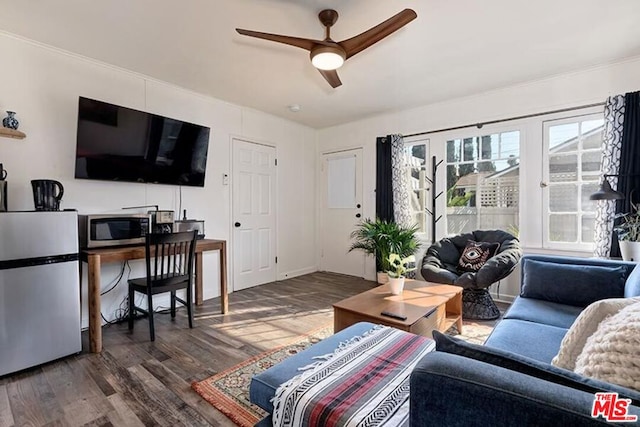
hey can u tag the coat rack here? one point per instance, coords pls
(434, 196)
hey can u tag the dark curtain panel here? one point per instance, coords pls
(384, 190)
(629, 160)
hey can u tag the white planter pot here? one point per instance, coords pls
(630, 250)
(382, 277)
(396, 285)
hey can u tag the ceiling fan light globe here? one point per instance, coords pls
(327, 58)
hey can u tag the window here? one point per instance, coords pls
(482, 187)
(418, 171)
(572, 173)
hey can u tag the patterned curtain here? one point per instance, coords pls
(611, 148)
(400, 184)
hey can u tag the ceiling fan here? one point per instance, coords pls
(327, 55)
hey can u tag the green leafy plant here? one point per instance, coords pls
(381, 238)
(399, 266)
(454, 200)
(629, 228)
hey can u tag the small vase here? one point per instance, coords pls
(10, 121)
(382, 277)
(396, 285)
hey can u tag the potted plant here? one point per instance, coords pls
(397, 268)
(381, 238)
(629, 234)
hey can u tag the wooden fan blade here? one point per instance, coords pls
(373, 35)
(306, 44)
(332, 77)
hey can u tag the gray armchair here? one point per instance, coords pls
(440, 265)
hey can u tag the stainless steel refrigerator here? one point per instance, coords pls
(39, 288)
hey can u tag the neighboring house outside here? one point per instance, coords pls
(493, 197)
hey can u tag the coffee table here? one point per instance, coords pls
(427, 306)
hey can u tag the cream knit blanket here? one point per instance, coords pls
(612, 353)
(585, 325)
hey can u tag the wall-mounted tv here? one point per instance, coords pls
(121, 144)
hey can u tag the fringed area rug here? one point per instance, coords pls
(228, 391)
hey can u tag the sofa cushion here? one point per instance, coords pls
(572, 284)
(263, 386)
(544, 312)
(584, 326)
(611, 353)
(527, 366)
(533, 340)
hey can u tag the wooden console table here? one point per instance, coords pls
(95, 257)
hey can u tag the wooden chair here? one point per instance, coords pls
(169, 259)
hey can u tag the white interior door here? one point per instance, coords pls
(341, 211)
(254, 218)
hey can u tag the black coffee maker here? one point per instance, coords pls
(47, 194)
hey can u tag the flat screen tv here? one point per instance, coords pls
(121, 144)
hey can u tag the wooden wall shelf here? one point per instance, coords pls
(10, 133)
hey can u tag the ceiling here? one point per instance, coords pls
(454, 48)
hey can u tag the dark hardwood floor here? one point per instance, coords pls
(134, 382)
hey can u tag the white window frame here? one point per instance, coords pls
(411, 142)
(515, 126)
(546, 183)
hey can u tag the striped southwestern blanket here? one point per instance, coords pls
(365, 382)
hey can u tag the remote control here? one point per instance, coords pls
(394, 315)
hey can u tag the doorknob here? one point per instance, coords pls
(358, 215)
(237, 224)
(358, 206)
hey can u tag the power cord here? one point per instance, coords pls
(120, 313)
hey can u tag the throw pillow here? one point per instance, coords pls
(527, 366)
(612, 353)
(475, 255)
(584, 326)
(572, 284)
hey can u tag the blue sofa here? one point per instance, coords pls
(509, 380)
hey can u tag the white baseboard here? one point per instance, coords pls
(503, 298)
(295, 273)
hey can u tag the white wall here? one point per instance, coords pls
(568, 90)
(43, 84)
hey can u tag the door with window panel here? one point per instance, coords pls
(483, 183)
(573, 153)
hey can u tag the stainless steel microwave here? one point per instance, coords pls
(98, 231)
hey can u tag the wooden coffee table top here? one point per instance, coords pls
(416, 301)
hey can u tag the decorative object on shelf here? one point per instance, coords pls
(47, 194)
(381, 238)
(397, 268)
(10, 121)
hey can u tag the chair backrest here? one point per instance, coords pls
(170, 257)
